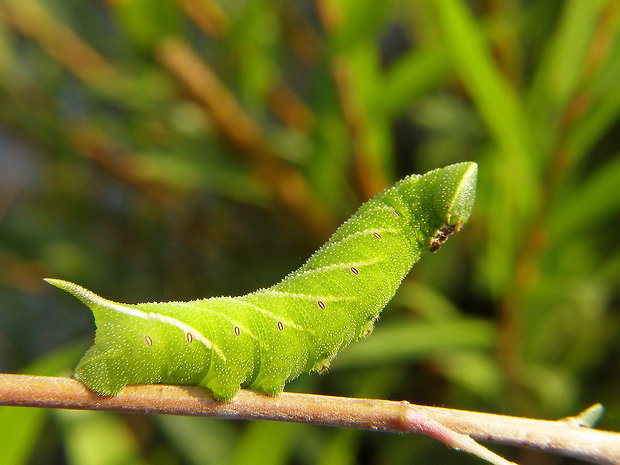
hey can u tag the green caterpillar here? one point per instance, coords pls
(264, 339)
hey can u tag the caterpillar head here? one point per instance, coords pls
(441, 201)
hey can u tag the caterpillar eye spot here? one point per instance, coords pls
(321, 305)
(237, 331)
(148, 340)
(280, 326)
(377, 235)
(354, 270)
(396, 213)
(189, 337)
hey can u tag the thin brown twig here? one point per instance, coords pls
(561, 437)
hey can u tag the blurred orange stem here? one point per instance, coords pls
(235, 126)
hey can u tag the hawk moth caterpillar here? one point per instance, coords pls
(264, 339)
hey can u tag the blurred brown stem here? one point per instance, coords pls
(204, 86)
(93, 144)
(561, 437)
(32, 20)
(208, 15)
(369, 175)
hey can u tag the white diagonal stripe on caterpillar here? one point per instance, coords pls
(89, 296)
(359, 233)
(337, 266)
(380, 206)
(323, 298)
(186, 329)
(192, 304)
(275, 317)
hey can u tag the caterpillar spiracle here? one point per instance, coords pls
(262, 340)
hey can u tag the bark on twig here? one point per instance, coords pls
(560, 437)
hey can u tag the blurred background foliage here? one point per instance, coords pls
(176, 149)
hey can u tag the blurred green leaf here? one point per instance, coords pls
(97, 438)
(147, 21)
(415, 73)
(496, 99)
(257, 441)
(20, 429)
(394, 342)
(202, 441)
(561, 70)
(590, 205)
